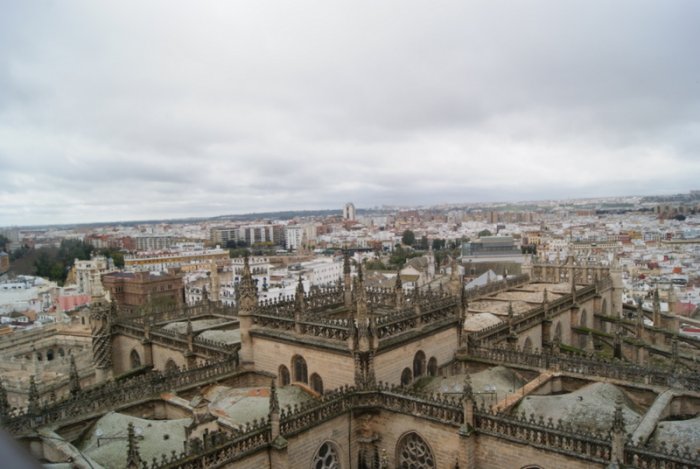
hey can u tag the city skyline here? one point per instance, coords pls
(135, 112)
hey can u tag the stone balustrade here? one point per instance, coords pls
(110, 395)
(531, 430)
(588, 366)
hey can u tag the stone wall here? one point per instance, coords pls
(443, 440)
(335, 370)
(304, 446)
(389, 365)
(499, 453)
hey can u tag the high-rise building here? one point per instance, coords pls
(349, 211)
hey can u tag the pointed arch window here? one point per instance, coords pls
(326, 457)
(412, 452)
(300, 370)
(135, 359)
(419, 364)
(284, 379)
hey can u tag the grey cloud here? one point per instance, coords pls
(258, 106)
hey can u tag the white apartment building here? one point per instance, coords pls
(322, 271)
(26, 293)
(259, 268)
(294, 237)
(88, 274)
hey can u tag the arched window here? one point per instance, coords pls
(61, 352)
(605, 307)
(406, 377)
(299, 369)
(171, 366)
(412, 452)
(583, 320)
(283, 375)
(557, 331)
(432, 366)
(419, 364)
(326, 457)
(49, 355)
(527, 346)
(316, 383)
(135, 359)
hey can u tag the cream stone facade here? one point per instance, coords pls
(356, 378)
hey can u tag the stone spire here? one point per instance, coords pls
(299, 298)
(657, 308)
(133, 457)
(674, 350)
(189, 332)
(468, 406)
(33, 398)
(247, 303)
(512, 338)
(278, 442)
(617, 344)
(511, 313)
(618, 434)
(455, 279)
(101, 318)
(347, 280)
(205, 295)
(360, 297)
(4, 403)
(299, 306)
(545, 303)
(74, 380)
(640, 320)
(398, 290)
(248, 290)
(274, 400)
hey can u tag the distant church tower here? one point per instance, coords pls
(349, 211)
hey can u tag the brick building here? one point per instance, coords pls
(131, 290)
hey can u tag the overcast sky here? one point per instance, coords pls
(131, 110)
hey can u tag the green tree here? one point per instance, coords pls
(4, 243)
(237, 252)
(55, 264)
(423, 243)
(375, 264)
(483, 233)
(408, 238)
(439, 244)
(115, 254)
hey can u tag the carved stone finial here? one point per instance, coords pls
(248, 290)
(33, 398)
(346, 262)
(133, 457)
(74, 383)
(205, 295)
(467, 390)
(274, 401)
(4, 403)
(618, 418)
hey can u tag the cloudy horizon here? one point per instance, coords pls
(169, 109)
